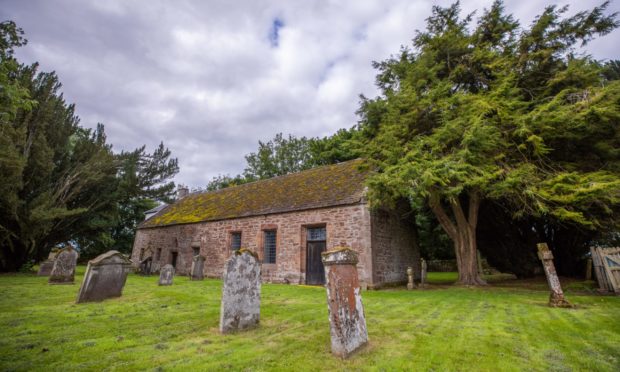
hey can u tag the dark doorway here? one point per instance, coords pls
(315, 243)
(174, 259)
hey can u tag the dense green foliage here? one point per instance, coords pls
(143, 182)
(283, 155)
(508, 327)
(498, 113)
(60, 181)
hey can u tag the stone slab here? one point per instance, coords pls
(556, 298)
(105, 277)
(45, 268)
(166, 275)
(63, 270)
(347, 321)
(197, 270)
(240, 308)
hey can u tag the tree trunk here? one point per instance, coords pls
(462, 231)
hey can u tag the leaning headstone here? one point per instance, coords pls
(410, 282)
(146, 266)
(556, 298)
(423, 272)
(63, 271)
(45, 267)
(105, 277)
(166, 274)
(347, 322)
(198, 265)
(240, 307)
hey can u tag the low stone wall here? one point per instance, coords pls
(441, 266)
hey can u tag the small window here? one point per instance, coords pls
(316, 234)
(158, 254)
(195, 251)
(270, 246)
(235, 241)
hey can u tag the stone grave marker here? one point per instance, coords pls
(45, 267)
(146, 266)
(198, 265)
(105, 277)
(410, 282)
(63, 271)
(166, 274)
(423, 272)
(347, 322)
(556, 298)
(240, 307)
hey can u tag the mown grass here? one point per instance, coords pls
(504, 327)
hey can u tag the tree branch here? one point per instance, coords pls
(445, 221)
(474, 206)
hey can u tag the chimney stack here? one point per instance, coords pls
(182, 191)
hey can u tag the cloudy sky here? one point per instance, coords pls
(211, 78)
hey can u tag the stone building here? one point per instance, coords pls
(289, 221)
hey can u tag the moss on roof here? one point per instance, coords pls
(338, 184)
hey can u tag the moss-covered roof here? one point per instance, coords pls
(338, 184)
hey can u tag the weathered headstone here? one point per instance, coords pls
(105, 277)
(347, 322)
(410, 282)
(198, 265)
(146, 266)
(423, 272)
(63, 271)
(240, 307)
(556, 298)
(45, 267)
(166, 275)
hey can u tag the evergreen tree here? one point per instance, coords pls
(62, 177)
(144, 182)
(497, 113)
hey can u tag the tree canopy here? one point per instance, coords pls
(496, 112)
(61, 181)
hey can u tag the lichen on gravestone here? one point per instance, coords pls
(240, 307)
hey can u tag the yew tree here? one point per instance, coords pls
(489, 110)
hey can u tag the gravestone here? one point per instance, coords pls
(45, 267)
(166, 275)
(423, 272)
(347, 322)
(198, 265)
(410, 282)
(63, 271)
(556, 298)
(105, 277)
(240, 307)
(146, 266)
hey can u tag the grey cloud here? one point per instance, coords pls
(206, 78)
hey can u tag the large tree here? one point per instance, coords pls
(144, 181)
(62, 182)
(495, 112)
(62, 176)
(283, 155)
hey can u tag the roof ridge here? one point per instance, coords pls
(275, 177)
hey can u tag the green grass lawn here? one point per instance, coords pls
(504, 327)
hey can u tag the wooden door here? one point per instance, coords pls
(315, 272)
(174, 259)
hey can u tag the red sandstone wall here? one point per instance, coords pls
(394, 246)
(346, 226)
